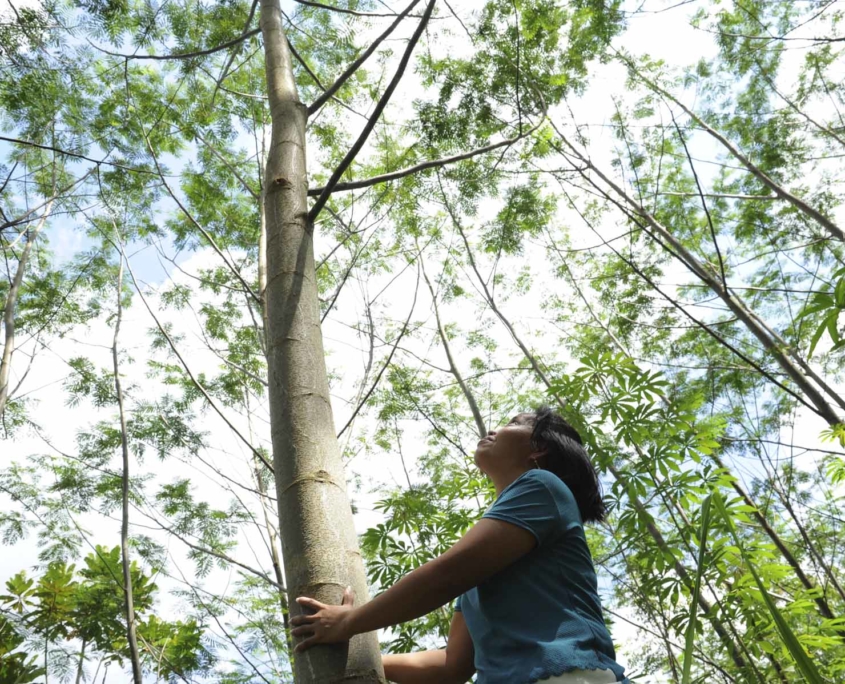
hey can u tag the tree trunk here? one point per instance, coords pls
(9, 312)
(319, 544)
(79, 668)
(129, 607)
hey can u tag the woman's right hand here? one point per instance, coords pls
(327, 624)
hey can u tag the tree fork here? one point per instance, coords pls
(319, 544)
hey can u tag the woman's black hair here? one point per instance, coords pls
(565, 456)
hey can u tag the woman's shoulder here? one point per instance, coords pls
(549, 480)
(536, 483)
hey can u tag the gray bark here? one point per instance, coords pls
(319, 544)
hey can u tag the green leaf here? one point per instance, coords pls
(796, 650)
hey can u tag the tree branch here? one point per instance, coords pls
(668, 242)
(194, 380)
(453, 367)
(352, 68)
(382, 103)
(386, 363)
(49, 148)
(343, 10)
(196, 223)
(9, 313)
(128, 600)
(758, 173)
(423, 166)
(181, 55)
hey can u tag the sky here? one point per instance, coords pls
(670, 37)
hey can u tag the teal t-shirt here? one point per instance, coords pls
(541, 616)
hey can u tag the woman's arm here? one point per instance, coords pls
(489, 547)
(452, 665)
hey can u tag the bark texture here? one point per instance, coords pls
(319, 544)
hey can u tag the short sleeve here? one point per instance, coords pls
(529, 503)
(458, 604)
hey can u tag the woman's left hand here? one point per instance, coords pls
(327, 625)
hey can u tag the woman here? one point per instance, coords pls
(528, 608)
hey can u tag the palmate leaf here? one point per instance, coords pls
(702, 545)
(799, 655)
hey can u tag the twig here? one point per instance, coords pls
(386, 363)
(194, 380)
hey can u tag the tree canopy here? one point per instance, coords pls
(628, 210)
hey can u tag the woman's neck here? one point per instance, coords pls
(502, 480)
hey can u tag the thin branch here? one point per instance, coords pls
(196, 223)
(216, 554)
(182, 55)
(194, 380)
(758, 173)
(229, 166)
(29, 215)
(128, 601)
(9, 308)
(231, 58)
(382, 103)
(703, 204)
(386, 363)
(718, 195)
(343, 10)
(58, 150)
(423, 166)
(453, 367)
(352, 68)
(222, 628)
(796, 109)
(658, 232)
(487, 294)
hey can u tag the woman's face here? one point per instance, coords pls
(508, 448)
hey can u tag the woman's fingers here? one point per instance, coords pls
(304, 645)
(305, 630)
(304, 619)
(313, 604)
